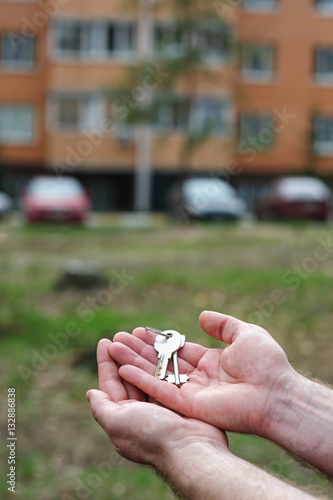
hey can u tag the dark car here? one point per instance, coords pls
(53, 199)
(295, 198)
(205, 198)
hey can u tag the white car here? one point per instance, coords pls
(207, 198)
(6, 204)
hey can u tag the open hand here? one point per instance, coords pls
(229, 388)
(141, 431)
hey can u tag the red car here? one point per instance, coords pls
(295, 198)
(52, 199)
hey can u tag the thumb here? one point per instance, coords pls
(221, 326)
(101, 407)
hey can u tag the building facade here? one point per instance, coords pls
(258, 107)
(284, 89)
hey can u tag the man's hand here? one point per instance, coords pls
(229, 388)
(142, 431)
(247, 387)
(192, 455)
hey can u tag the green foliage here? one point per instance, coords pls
(179, 59)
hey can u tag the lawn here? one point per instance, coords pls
(278, 275)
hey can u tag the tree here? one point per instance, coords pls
(175, 63)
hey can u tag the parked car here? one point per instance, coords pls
(295, 198)
(53, 199)
(6, 204)
(205, 198)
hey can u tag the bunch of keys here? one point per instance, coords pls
(167, 344)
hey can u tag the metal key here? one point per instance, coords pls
(160, 373)
(166, 348)
(175, 358)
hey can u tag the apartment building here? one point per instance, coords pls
(80, 49)
(22, 87)
(261, 102)
(285, 89)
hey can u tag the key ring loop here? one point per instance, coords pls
(158, 332)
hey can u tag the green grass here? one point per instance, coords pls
(173, 273)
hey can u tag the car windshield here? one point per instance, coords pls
(211, 189)
(55, 187)
(291, 188)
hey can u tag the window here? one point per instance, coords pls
(215, 41)
(169, 40)
(324, 6)
(259, 4)
(75, 111)
(197, 115)
(210, 115)
(74, 38)
(17, 124)
(258, 62)
(212, 40)
(70, 38)
(69, 111)
(120, 38)
(324, 64)
(255, 131)
(17, 51)
(171, 113)
(323, 135)
(90, 39)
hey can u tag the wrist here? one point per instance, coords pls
(300, 419)
(174, 454)
(280, 411)
(204, 469)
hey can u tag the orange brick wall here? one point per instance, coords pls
(26, 87)
(295, 29)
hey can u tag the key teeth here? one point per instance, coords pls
(158, 373)
(171, 378)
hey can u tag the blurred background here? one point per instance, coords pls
(156, 159)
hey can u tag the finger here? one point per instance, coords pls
(124, 355)
(147, 336)
(167, 394)
(134, 393)
(108, 375)
(137, 345)
(191, 353)
(101, 407)
(109, 379)
(221, 326)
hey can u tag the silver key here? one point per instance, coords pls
(176, 378)
(175, 360)
(166, 348)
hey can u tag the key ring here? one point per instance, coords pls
(167, 349)
(159, 332)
